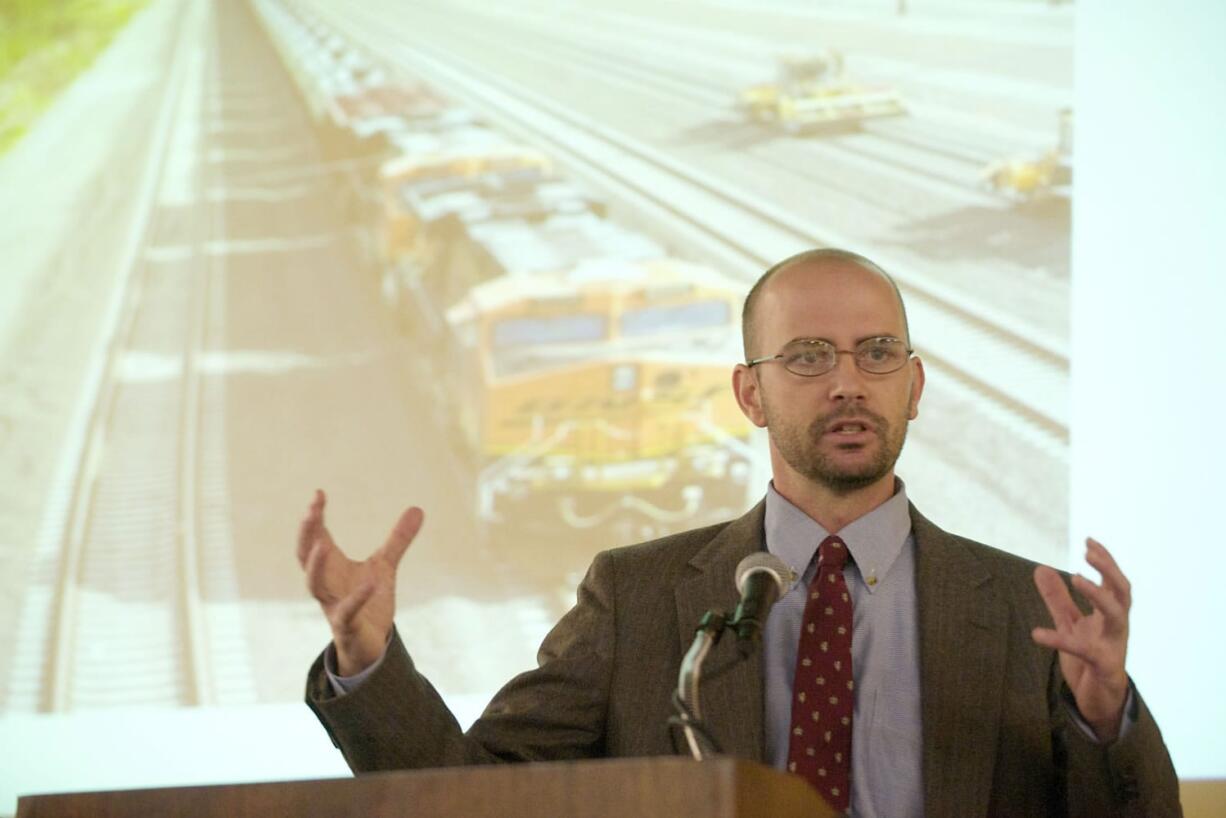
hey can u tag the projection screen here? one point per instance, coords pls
(489, 259)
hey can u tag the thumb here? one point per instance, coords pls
(346, 610)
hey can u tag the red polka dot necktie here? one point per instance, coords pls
(822, 692)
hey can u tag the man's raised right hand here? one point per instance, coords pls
(358, 598)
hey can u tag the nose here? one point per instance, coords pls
(846, 381)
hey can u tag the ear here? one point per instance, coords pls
(748, 393)
(917, 388)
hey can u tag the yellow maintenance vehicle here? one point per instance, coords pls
(810, 92)
(584, 373)
(1031, 178)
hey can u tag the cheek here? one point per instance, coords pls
(902, 403)
(788, 409)
(913, 396)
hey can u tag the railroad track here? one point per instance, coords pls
(954, 180)
(704, 70)
(133, 599)
(117, 549)
(1013, 373)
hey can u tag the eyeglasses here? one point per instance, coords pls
(813, 357)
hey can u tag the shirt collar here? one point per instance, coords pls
(874, 540)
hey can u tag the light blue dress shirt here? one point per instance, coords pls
(886, 774)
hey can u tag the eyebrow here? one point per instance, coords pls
(810, 338)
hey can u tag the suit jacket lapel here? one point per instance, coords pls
(732, 702)
(962, 630)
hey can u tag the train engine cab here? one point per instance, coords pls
(592, 392)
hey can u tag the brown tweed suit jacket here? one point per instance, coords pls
(996, 736)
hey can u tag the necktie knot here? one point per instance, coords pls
(832, 553)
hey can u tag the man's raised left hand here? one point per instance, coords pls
(1092, 646)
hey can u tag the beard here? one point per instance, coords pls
(801, 448)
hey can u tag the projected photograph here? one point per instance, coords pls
(487, 259)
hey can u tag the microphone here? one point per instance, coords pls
(761, 578)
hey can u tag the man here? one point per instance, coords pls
(959, 700)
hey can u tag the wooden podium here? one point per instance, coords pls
(644, 788)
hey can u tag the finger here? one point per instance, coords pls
(314, 567)
(1063, 642)
(308, 532)
(1114, 580)
(1103, 601)
(308, 529)
(402, 535)
(348, 608)
(1064, 612)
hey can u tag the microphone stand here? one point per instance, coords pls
(747, 621)
(689, 712)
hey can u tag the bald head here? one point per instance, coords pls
(814, 260)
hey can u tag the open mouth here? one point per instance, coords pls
(849, 428)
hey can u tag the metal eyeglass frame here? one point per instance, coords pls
(837, 352)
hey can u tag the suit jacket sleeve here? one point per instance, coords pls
(1132, 777)
(397, 720)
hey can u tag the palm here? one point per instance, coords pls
(1094, 680)
(340, 579)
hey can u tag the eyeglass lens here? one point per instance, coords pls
(876, 355)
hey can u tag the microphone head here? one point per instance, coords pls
(765, 562)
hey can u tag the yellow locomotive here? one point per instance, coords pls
(584, 373)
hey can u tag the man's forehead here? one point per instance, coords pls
(832, 299)
(831, 284)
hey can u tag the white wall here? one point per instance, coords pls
(1148, 349)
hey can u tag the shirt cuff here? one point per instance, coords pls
(1126, 723)
(342, 685)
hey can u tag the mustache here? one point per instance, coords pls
(866, 416)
